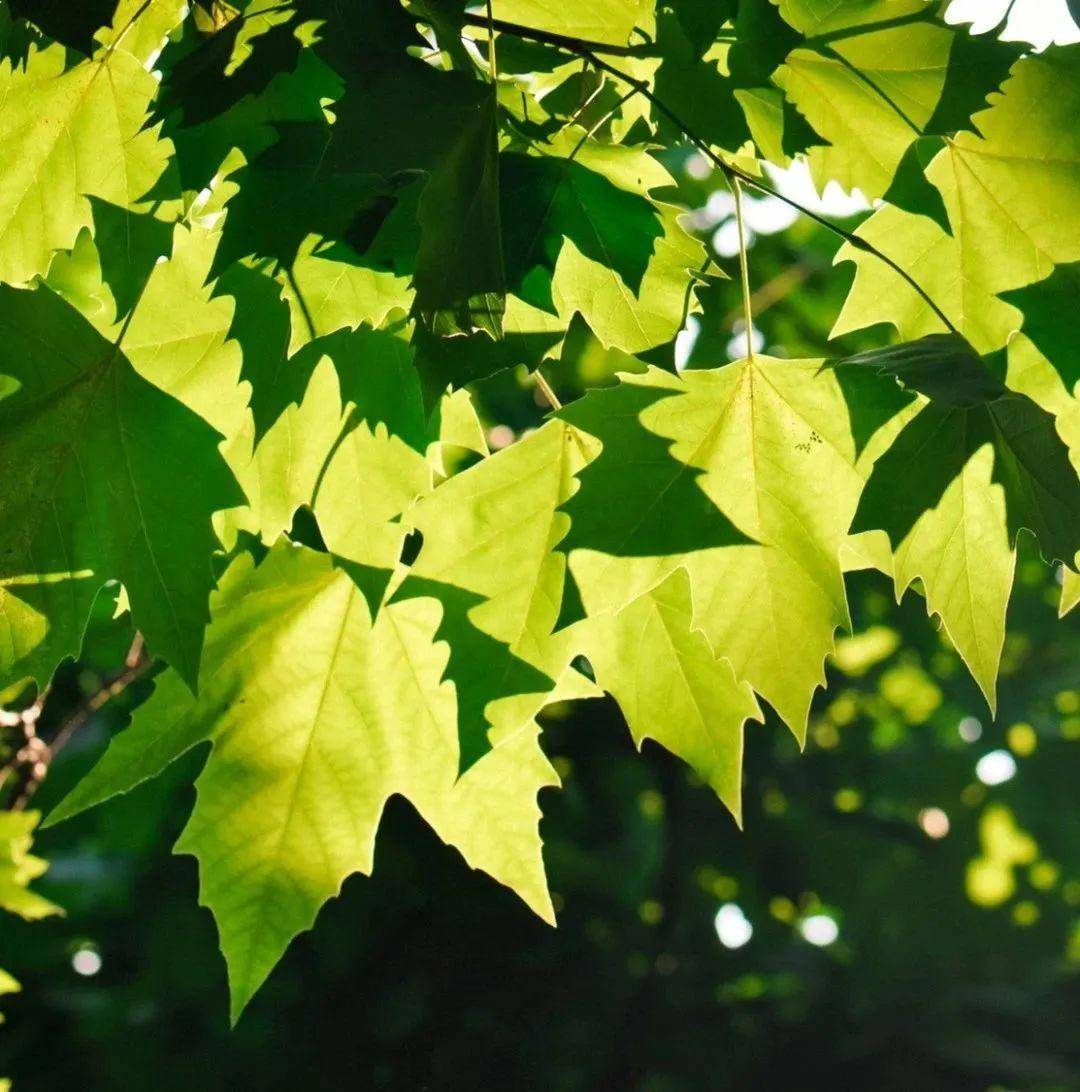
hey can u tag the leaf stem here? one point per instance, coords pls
(744, 269)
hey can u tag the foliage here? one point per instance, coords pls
(255, 257)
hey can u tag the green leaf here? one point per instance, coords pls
(940, 264)
(1012, 197)
(142, 516)
(530, 336)
(978, 65)
(869, 96)
(952, 492)
(609, 21)
(329, 287)
(583, 236)
(873, 87)
(812, 17)
(369, 479)
(459, 279)
(1013, 194)
(672, 688)
(71, 134)
(698, 89)
(488, 556)
(317, 716)
(550, 200)
(632, 321)
(19, 868)
(746, 476)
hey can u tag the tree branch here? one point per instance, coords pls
(581, 46)
(38, 755)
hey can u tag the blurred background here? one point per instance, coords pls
(902, 910)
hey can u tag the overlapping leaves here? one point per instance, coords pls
(240, 303)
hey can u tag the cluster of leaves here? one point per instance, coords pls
(252, 257)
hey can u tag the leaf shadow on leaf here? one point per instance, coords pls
(548, 199)
(969, 407)
(870, 403)
(375, 368)
(1052, 318)
(912, 191)
(640, 502)
(444, 362)
(206, 81)
(323, 178)
(156, 464)
(635, 499)
(260, 325)
(1031, 464)
(482, 668)
(296, 188)
(978, 65)
(129, 244)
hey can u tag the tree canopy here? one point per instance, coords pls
(258, 262)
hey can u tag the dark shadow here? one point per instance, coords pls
(547, 199)
(199, 85)
(481, 668)
(635, 499)
(1051, 310)
(128, 244)
(73, 24)
(1031, 464)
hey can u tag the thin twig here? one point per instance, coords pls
(38, 755)
(136, 16)
(595, 128)
(112, 690)
(590, 98)
(135, 652)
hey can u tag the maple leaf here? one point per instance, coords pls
(317, 715)
(744, 475)
(973, 467)
(108, 478)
